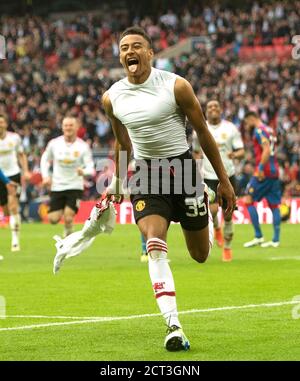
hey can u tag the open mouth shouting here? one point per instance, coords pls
(132, 64)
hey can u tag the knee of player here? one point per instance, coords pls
(153, 235)
(68, 221)
(200, 255)
(273, 206)
(53, 221)
(13, 208)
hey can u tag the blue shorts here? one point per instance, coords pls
(268, 188)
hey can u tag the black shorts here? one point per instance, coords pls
(3, 189)
(190, 209)
(213, 184)
(71, 198)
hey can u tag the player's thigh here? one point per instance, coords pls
(13, 200)
(197, 242)
(274, 194)
(255, 190)
(152, 214)
(3, 195)
(154, 226)
(193, 215)
(191, 211)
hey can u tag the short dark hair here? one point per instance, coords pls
(137, 30)
(251, 113)
(213, 100)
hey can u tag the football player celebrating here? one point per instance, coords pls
(147, 110)
(71, 158)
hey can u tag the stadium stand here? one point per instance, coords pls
(63, 62)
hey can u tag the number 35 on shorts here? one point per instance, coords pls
(196, 206)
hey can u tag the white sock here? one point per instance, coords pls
(162, 280)
(15, 225)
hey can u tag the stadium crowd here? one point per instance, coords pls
(96, 35)
(55, 66)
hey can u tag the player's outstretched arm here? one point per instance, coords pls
(189, 104)
(123, 143)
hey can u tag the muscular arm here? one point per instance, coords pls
(123, 143)
(189, 104)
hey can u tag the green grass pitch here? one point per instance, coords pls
(108, 280)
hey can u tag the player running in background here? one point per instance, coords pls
(10, 186)
(230, 144)
(147, 109)
(11, 154)
(71, 159)
(265, 182)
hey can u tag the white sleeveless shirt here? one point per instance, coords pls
(155, 123)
